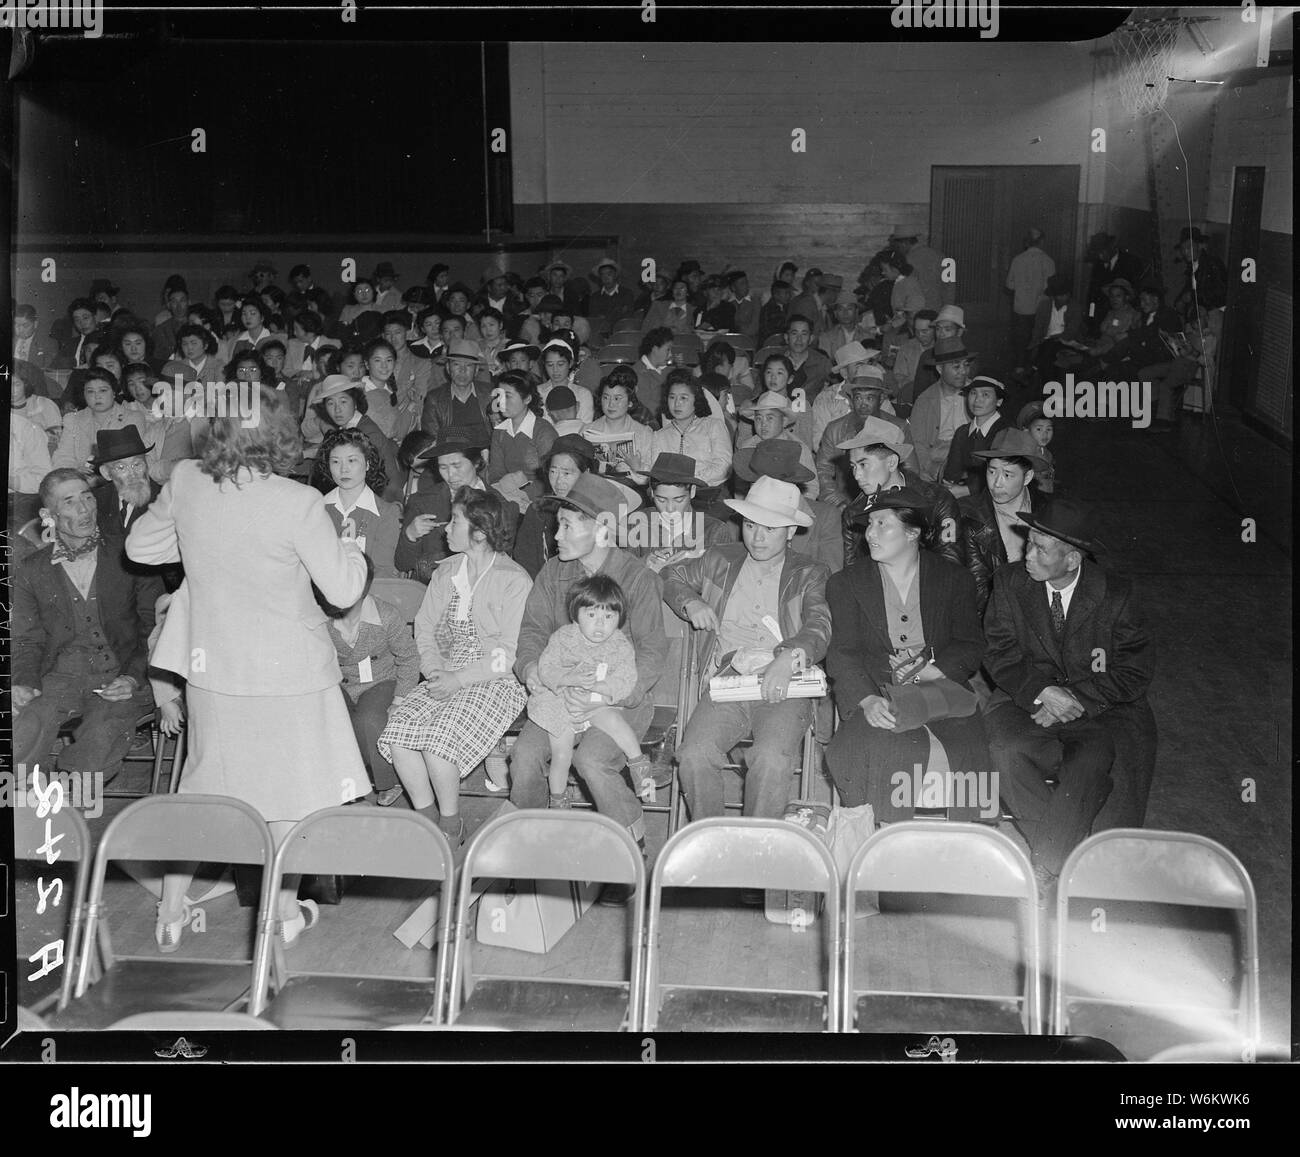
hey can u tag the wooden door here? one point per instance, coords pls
(979, 216)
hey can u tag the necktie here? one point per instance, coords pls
(1058, 614)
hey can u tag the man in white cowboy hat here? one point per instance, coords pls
(773, 418)
(992, 532)
(950, 322)
(867, 390)
(612, 301)
(875, 457)
(750, 600)
(833, 402)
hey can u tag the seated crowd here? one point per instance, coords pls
(807, 477)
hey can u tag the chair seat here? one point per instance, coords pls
(349, 1002)
(539, 1005)
(905, 1012)
(172, 1020)
(721, 1010)
(135, 986)
(1141, 1033)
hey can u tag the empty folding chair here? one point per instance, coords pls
(627, 325)
(744, 853)
(64, 836)
(1137, 981)
(355, 841)
(953, 859)
(166, 829)
(198, 1021)
(548, 845)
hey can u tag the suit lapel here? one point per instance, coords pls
(1086, 597)
(871, 598)
(1039, 616)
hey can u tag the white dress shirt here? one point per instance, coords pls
(1067, 593)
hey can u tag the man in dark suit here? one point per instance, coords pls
(80, 638)
(1109, 263)
(1071, 660)
(119, 457)
(739, 596)
(1205, 285)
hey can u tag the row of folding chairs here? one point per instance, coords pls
(968, 860)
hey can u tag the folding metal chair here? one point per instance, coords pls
(743, 853)
(170, 1021)
(615, 353)
(405, 594)
(953, 859)
(548, 845)
(1130, 997)
(167, 828)
(157, 756)
(687, 349)
(352, 841)
(766, 352)
(69, 842)
(737, 341)
(627, 325)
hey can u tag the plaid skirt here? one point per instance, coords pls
(462, 730)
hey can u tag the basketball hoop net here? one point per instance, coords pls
(1144, 53)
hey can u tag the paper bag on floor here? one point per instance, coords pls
(848, 831)
(532, 915)
(421, 926)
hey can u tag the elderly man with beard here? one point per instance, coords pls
(120, 458)
(80, 638)
(874, 457)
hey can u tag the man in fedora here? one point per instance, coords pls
(912, 361)
(466, 400)
(867, 390)
(992, 531)
(747, 599)
(876, 455)
(780, 458)
(453, 462)
(496, 294)
(674, 530)
(81, 624)
(387, 295)
(940, 410)
(963, 474)
(833, 402)
(1071, 660)
(950, 322)
(611, 302)
(120, 458)
(1205, 284)
(589, 516)
(772, 417)
(1108, 263)
(1058, 327)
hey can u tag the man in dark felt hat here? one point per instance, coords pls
(992, 532)
(1109, 262)
(1058, 327)
(1205, 284)
(1071, 660)
(453, 461)
(588, 516)
(940, 409)
(120, 458)
(674, 530)
(749, 600)
(81, 625)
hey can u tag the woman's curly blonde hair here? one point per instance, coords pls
(272, 445)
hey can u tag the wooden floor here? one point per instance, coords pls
(1220, 610)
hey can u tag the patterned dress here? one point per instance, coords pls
(465, 728)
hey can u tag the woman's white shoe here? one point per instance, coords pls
(308, 914)
(167, 933)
